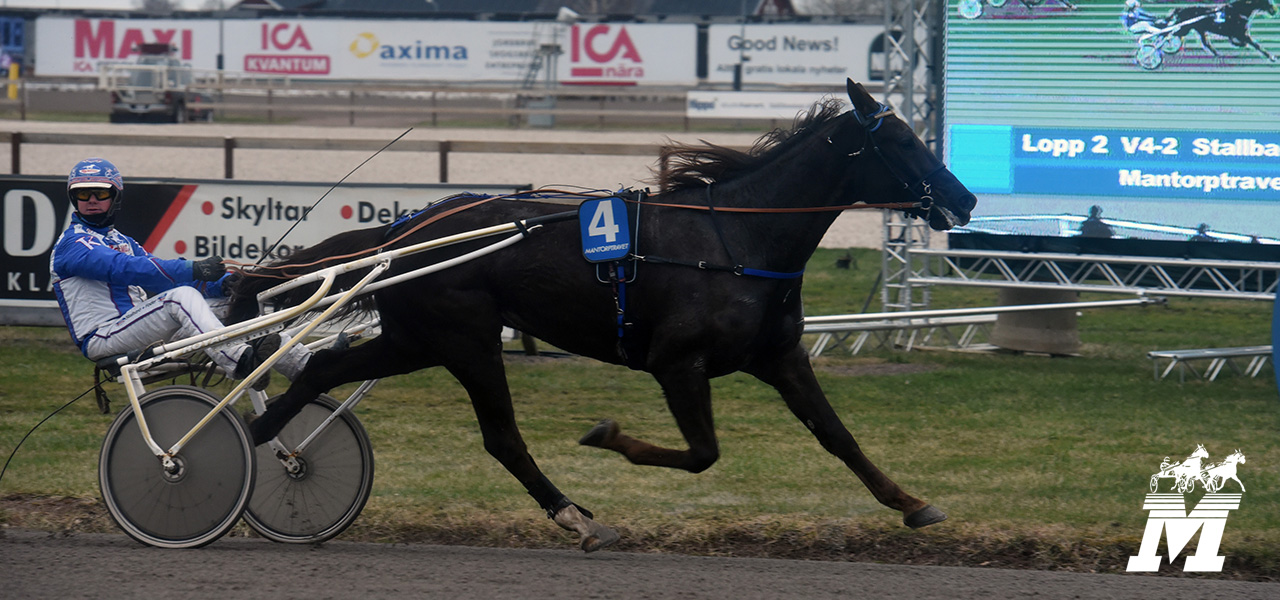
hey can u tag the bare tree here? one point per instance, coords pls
(157, 7)
(842, 8)
(602, 7)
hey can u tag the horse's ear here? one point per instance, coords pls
(859, 97)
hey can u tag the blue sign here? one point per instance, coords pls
(606, 234)
(1117, 162)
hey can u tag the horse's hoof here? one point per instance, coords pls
(592, 535)
(602, 433)
(924, 517)
(603, 537)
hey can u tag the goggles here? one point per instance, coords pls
(82, 194)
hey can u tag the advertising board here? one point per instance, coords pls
(78, 47)
(182, 218)
(749, 105)
(1086, 121)
(791, 54)
(472, 51)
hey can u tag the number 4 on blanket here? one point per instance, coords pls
(606, 235)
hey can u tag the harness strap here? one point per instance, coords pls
(706, 266)
(715, 224)
(737, 268)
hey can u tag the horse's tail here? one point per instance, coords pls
(343, 247)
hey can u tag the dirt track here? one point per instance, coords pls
(43, 565)
(852, 229)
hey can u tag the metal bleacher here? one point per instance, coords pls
(1216, 358)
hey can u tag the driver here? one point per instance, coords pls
(118, 298)
(1137, 20)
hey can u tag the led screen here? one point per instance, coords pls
(1107, 119)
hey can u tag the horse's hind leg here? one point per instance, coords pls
(478, 367)
(1204, 41)
(380, 357)
(793, 377)
(689, 399)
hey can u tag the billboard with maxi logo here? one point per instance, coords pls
(237, 220)
(69, 47)
(615, 54)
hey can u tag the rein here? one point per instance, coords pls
(425, 222)
(801, 209)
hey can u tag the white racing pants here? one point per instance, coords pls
(177, 314)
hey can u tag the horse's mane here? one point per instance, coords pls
(692, 166)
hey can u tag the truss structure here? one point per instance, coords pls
(913, 83)
(1095, 273)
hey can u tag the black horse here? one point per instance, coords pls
(1230, 21)
(683, 324)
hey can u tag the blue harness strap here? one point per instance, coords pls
(772, 274)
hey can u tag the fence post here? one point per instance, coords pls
(15, 153)
(351, 116)
(228, 158)
(269, 113)
(444, 161)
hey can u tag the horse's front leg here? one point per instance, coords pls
(1256, 46)
(688, 395)
(792, 375)
(484, 378)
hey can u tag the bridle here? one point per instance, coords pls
(870, 123)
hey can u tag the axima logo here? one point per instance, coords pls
(604, 53)
(367, 44)
(1168, 516)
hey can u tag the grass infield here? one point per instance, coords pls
(1040, 462)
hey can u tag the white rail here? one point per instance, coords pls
(1251, 280)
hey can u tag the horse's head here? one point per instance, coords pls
(1248, 7)
(1236, 457)
(906, 171)
(1200, 452)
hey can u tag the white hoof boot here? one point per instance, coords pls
(594, 536)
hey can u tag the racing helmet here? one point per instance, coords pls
(1131, 4)
(96, 174)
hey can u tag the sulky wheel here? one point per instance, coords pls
(203, 496)
(317, 495)
(970, 9)
(1148, 57)
(1155, 483)
(1171, 45)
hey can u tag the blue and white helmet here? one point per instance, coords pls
(97, 173)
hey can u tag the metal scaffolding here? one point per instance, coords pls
(1233, 279)
(913, 86)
